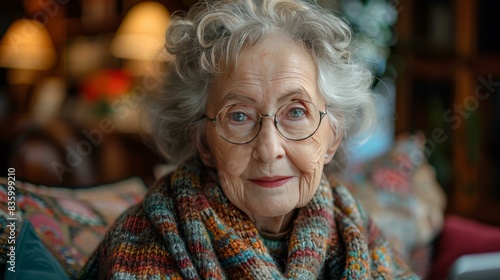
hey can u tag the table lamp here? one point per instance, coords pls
(141, 34)
(26, 49)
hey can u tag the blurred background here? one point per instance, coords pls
(73, 72)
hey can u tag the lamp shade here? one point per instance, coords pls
(141, 35)
(27, 45)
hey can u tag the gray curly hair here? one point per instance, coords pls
(207, 42)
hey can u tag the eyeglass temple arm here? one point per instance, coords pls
(213, 121)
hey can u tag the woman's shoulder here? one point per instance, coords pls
(352, 215)
(128, 245)
(133, 237)
(135, 220)
(128, 226)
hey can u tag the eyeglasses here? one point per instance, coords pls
(240, 124)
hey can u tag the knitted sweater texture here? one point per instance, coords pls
(187, 229)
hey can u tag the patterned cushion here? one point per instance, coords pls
(70, 222)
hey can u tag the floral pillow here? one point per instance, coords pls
(70, 222)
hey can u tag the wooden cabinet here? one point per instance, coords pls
(448, 56)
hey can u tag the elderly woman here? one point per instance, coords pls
(258, 98)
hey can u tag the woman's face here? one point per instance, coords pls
(270, 176)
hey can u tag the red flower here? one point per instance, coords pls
(106, 85)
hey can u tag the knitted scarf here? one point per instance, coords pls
(187, 229)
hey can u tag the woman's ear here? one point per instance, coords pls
(205, 153)
(336, 138)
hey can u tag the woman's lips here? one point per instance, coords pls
(270, 182)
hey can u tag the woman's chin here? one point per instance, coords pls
(273, 210)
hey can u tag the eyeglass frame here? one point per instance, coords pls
(322, 114)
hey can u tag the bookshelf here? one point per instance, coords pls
(448, 87)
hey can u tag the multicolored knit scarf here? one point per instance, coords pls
(187, 229)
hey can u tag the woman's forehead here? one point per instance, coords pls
(273, 67)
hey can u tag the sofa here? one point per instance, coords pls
(69, 222)
(56, 228)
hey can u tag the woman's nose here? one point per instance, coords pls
(269, 143)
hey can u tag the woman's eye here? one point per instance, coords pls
(297, 112)
(238, 117)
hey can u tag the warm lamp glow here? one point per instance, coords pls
(27, 45)
(141, 35)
